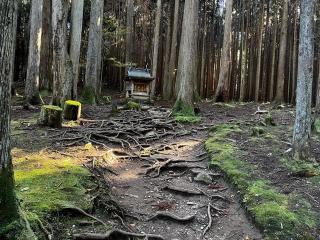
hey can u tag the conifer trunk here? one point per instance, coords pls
(93, 67)
(282, 55)
(187, 58)
(33, 70)
(222, 91)
(59, 11)
(302, 127)
(76, 30)
(10, 213)
(156, 47)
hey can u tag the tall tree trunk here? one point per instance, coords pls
(318, 89)
(259, 56)
(203, 54)
(93, 67)
(10, 213)
(165, 84)
(294, 55)
(76, 30)
(32, 80)
(46, 47)
(187, 61)
(302, 127)
(156, 39)
(222, 91)
(59, 30)
(174, 50)
(129, 32)
(273, 60)
(244, 40)
(282, 54)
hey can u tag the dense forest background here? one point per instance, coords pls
(261, 66)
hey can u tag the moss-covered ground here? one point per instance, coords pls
(47, 182)
(279, 215)
(184, 113)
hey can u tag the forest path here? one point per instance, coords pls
(144, 196)
(141, 196)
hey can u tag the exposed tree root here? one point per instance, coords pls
(171, 216)
(183, 191)
(210, 221)
(157, 167)
(115, 234)
(79, 210)
(259, 111)
(130, 128)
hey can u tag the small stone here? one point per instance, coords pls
(203, 178)
(25, 189)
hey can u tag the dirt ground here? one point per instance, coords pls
(143, 197)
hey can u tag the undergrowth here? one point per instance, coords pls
(131, 105)
(88, 96)
(280, 216)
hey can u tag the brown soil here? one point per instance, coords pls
(142, 196)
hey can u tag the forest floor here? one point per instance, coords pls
(224, 177)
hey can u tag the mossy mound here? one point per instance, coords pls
(184, 113)
(46, 182)
(257, 131)
(88, 96)
(106, 100)
(72, 110)
(269, 121)
(132, 106)
(275, 213)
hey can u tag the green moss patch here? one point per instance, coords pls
(257, 131)
(72, 110)
(187, 119)
(184, 113)
(47, 182)
(132, 106)
(279, 216)
(52, 107)
(73, 103)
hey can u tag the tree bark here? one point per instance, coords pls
(166, 94)
(259, 56)
(59, 30)
(282, 54)
(318, 88)
(302, 127)
(33, 70)
(10, 213)
(156, 39)
(129, 32)
(76, 30)
(294, 56)
(222, 91)
(187, 61)
(46, 47)
(93, 67)
(174, 50)
(244, 40)
(273, 60)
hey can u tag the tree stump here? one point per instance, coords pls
(72, 110)
(51, 116)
